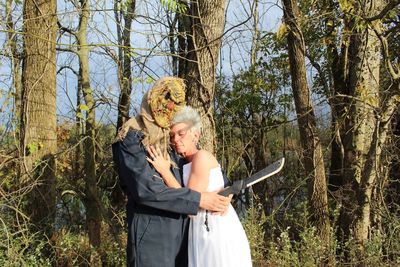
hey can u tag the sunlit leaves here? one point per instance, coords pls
(143, 80)
(123, 5)
(33, 147)
(282, 32)
(83, 107)
(174, 5)
(366, 96)
(346, 6)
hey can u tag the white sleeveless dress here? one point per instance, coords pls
(224, 244)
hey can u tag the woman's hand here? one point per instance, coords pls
(159, 162)
(162, 165)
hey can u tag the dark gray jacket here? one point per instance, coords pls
(157, 224)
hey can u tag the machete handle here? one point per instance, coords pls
(235, 188)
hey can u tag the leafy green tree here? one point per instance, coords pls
(312, 155)
(248, 112)
(354, 60)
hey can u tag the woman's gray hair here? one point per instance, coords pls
(189, 116)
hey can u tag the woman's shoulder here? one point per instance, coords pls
(206, 158)
(204, 154)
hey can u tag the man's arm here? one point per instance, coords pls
(162, 166)
(144, 185)
(212, 201)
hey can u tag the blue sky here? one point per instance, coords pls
(146, 34)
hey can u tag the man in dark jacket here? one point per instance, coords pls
(156, 214)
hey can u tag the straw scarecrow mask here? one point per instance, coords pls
(158, 107)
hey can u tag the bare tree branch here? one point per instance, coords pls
(390, 6)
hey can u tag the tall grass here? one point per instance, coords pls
(301, 247)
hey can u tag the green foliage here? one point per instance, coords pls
(307, 250)
(250, 106)
(33, 147)
(391, 243)
(73, 249)
(253, 105)
(174, 5)
(17, 250)
(149, 80)
(311, 249)
(301, 246)
(285, 237)
(282, 252)
(290, 247)
(143, 80)
(347, 6)
(83, 107)
(22, 245)
(19, 244)
(123, 5)
(253, 225)
(282, 31)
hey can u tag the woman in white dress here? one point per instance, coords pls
(214, 240)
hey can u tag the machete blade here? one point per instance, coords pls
(268, 171)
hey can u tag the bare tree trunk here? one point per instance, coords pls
(364, 80)
(259, 142)
(15, 57)
(256, 33)
(337, 63)
(125, 62)
(184, 24)
(124, 19)
(80, 129)
(204, 42)
(339, 104)
(312, 152)
(172, 23)
(92, 202)
(38, 114)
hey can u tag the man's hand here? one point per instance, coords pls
(214, 202)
